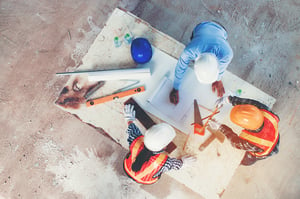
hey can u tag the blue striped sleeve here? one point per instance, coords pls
(133, 132)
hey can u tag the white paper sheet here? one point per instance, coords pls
(156, 98)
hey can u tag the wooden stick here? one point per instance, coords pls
(207, 142)
(205, 108)
(210, 115)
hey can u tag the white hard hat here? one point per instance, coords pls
(206, 68)
(159, 136)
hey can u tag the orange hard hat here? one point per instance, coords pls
(247, 116)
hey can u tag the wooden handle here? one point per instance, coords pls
(207, 142)
(220, 136)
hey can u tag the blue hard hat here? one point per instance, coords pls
(141, 50)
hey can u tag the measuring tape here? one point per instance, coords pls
(121, 94)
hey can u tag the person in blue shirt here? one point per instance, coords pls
(211, 53)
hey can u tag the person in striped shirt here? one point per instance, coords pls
(147, 161)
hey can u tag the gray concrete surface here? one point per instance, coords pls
(47, 153)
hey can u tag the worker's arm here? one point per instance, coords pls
(133, 132)
(224, 56)
(224, 61)
(236, 141)
(171, 163)
(184, 60)
(187, 55)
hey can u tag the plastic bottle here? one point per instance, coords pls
(127, 38)
(238, 92)
(117, 42)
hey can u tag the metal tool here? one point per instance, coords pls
(198, 123)
(93, 89)
(214, 134)
(199, 127)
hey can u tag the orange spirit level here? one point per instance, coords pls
(121, 94)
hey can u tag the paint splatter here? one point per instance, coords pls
(86, 174)
(76, 94)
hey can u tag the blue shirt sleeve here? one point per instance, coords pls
(208, 37)
(187, 55)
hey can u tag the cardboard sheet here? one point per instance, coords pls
(217, 163)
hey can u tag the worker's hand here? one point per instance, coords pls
(129, 113)
(222, 101)
(214, 125)
(218, 86)
(188, 161)
(174, 96)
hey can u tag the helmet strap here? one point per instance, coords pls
(257, 130)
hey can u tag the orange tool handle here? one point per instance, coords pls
(198, 129)
(210, 117)
(104, 99)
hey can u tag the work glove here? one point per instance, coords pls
(222, 101)
(214, 125)
(188, 161)
(129, 113)
(174, 96)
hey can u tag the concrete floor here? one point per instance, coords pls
(48, 153)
